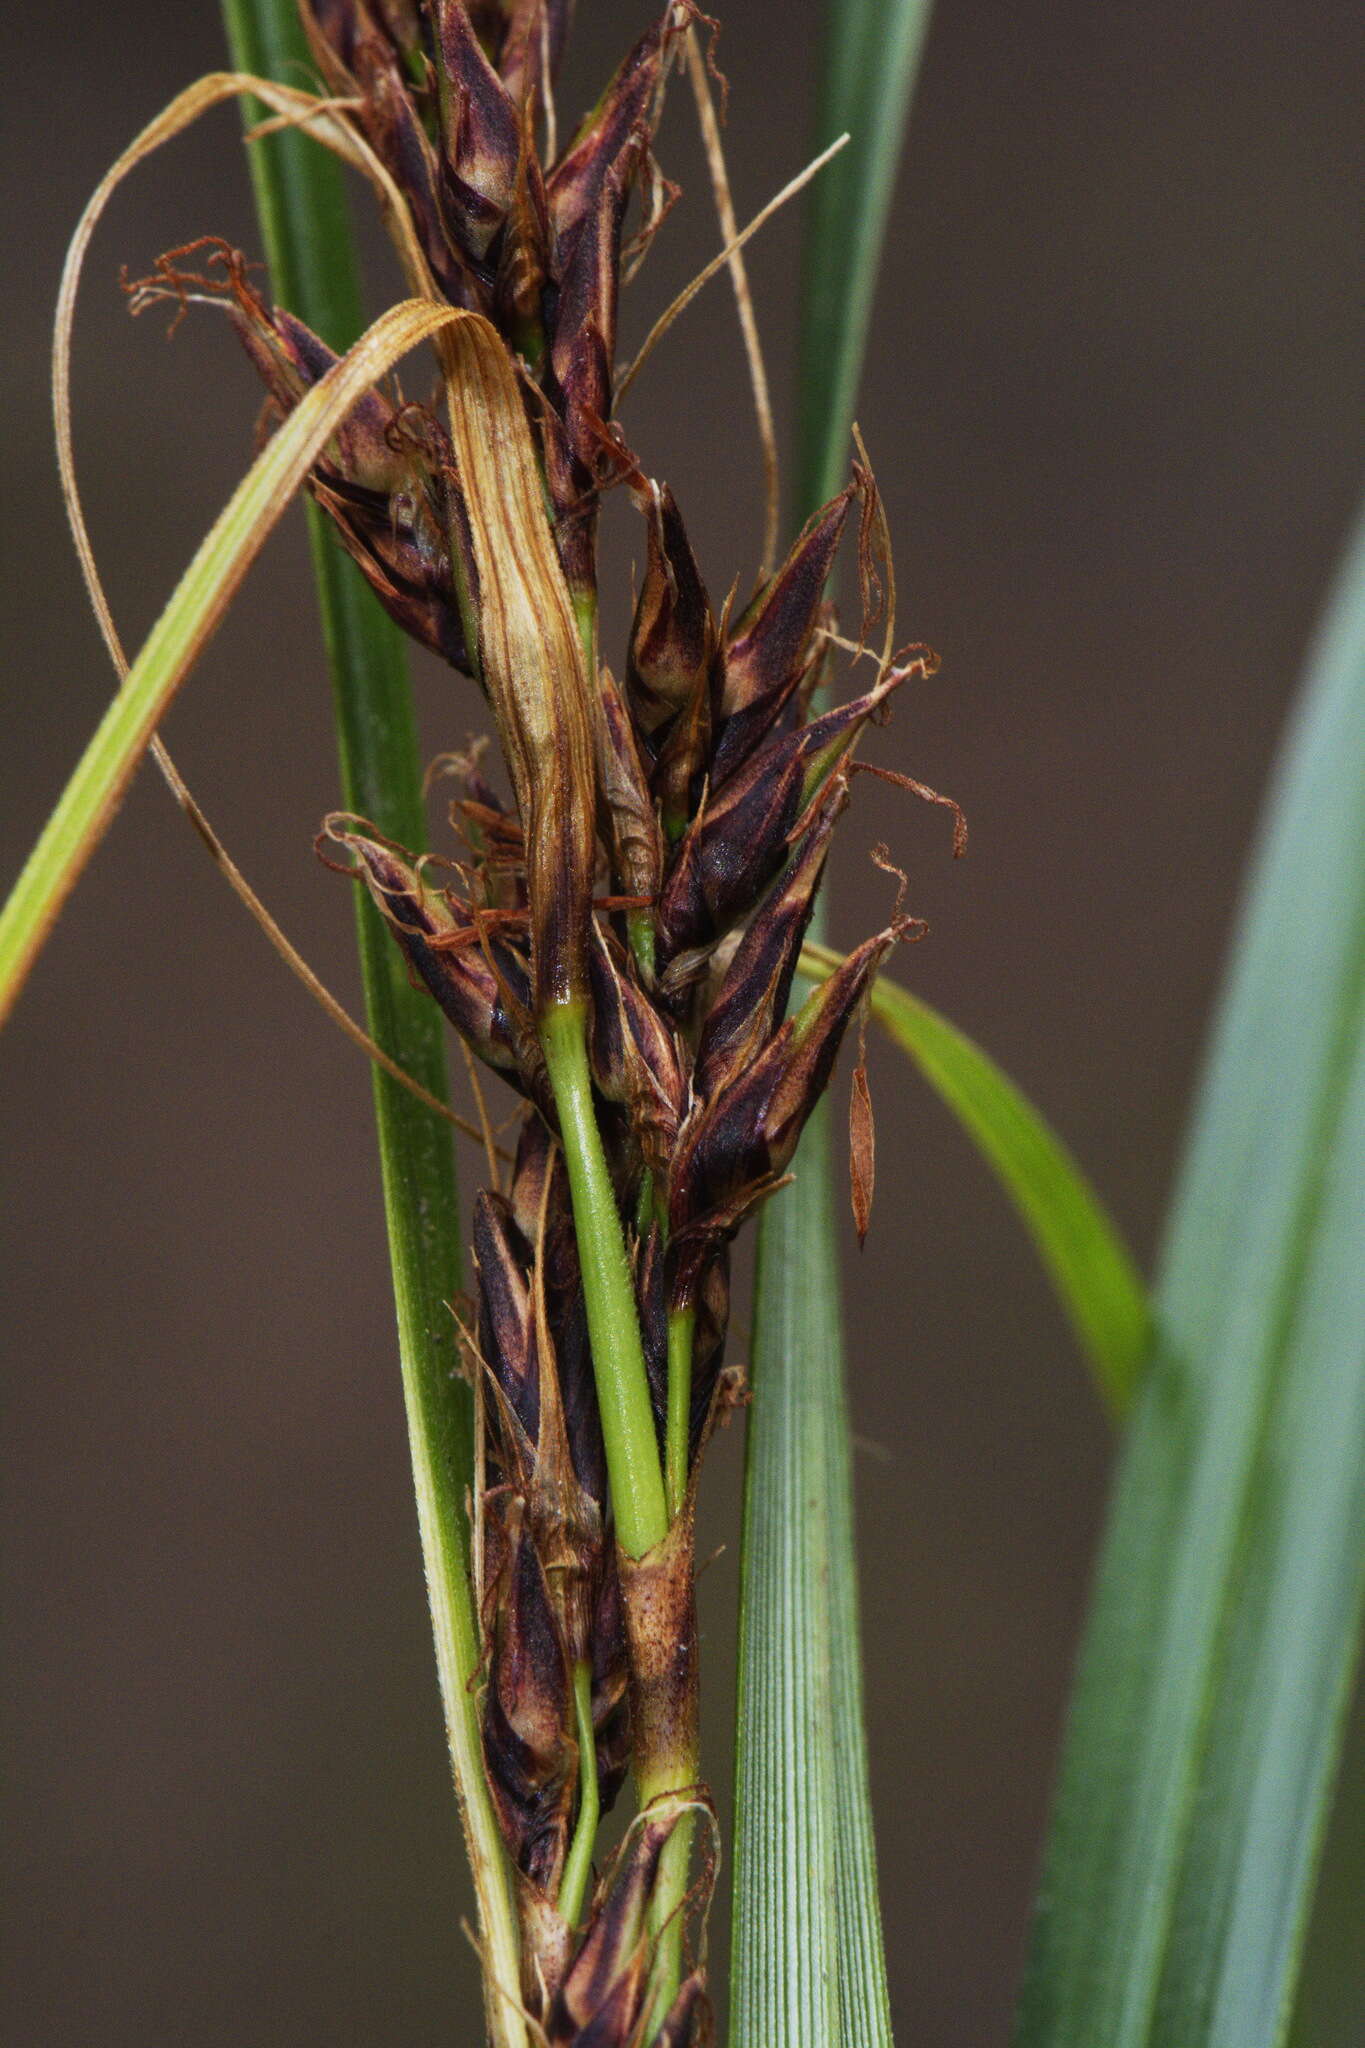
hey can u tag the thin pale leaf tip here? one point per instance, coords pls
(861, 1148)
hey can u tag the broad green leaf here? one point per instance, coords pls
(808, 1962)
(1216, 1665)
(1088, 1263)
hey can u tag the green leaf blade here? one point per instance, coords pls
(1091, 1269)
(870, 58)
(87, 804)
(301, 205)
(784, 1983)
(803, 1809)
(1213, 1678)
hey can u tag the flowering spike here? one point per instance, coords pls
(673, 639)
(734, 1149)
(741, 836)
(480, 132)
(528, 1718)
(753, 995)
(480, 992)
(636, 1060)
(770, 648)
(619, 942)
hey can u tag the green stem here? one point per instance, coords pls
(681, 1323)
(636, 1476)
(618, 1358)
(673, 1773)
(666, 1911)
(578, 1865)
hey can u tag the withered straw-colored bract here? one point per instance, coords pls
(616, 939)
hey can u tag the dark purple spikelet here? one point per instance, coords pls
(673, 637)
(480, 134)
(549, 1585)
(385, 482)
(528, 1710)
(637, 1060)
(736, 1146)
(481, 980)
(602, 1997)
(540, 1226)
(739, 839)
(769, 650)
(752, 998)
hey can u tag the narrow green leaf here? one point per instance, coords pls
(1329, 1999)
(868, 64)
(302, 209)
(808, 1961)
(85, 807)
(1091, 1268)
(1209, 1701)
(784, 1988)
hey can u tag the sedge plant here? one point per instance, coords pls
(618, 926)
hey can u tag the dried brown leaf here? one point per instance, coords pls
(529, 651)
(861, 1148)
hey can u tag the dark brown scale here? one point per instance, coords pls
(770, 650)
(528, 1716)
(738, 1144)
(673, 636)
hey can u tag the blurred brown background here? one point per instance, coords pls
(1114, 396)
